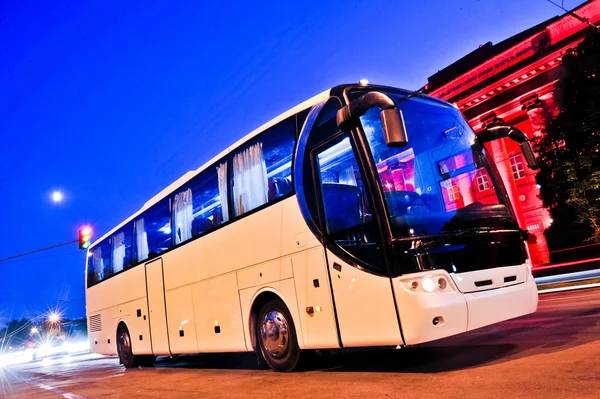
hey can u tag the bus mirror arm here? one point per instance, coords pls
(392, 121)
(499, 132)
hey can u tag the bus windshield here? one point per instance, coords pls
(442, 181)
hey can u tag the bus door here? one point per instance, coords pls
(157, 310)
(362, 291)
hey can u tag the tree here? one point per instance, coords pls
(569, 151)
(16, 333)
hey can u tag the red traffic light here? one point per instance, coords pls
(85, 236)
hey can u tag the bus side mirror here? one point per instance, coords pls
(499, 132)
(392, 121)
(393, 126)
(528, 154)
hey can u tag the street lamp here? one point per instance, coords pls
(54, 317)
(34, 330)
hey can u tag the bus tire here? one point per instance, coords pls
(276, 336)
(125, 350)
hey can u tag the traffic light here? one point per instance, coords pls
(85, 236)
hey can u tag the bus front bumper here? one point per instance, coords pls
(489, 307)
(429, 316)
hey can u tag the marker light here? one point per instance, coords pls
(442, 283)
(364, 82)
(428, 285)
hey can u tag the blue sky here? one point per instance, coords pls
(112, 101)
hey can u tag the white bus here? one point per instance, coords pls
(367, 216)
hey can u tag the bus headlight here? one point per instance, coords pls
(428, 285)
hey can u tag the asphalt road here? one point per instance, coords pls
(554, 353)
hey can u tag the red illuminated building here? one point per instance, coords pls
(512, 83)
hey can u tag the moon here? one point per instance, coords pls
(57, 196)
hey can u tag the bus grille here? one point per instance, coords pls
(95, 323)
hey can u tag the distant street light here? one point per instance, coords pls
(54, 318)
(34, 330)
(57, 196)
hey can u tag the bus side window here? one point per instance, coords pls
(99, 267)
(201, 205)
(121, 249)
(262, 169)
(152, 231)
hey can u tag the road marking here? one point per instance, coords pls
(57, 391)
(571, 288)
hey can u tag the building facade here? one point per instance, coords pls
(512, 82)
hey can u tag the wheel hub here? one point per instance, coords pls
(124, 345)
(274, 333)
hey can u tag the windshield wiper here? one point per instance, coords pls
(511, 223)
(412, 94)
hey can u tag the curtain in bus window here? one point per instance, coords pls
(250, 186)
(141, 240)
(98, 264)
(222, 177)
(118, 251)
(183, 216)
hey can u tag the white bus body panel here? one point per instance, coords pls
(461, 312)
(217, 304)
(221, 267)
(365, 306)
(109, 304)
(466, 281)
(313, 288)
(182, 328)
(157, 308)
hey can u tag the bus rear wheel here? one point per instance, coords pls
(125, 351)
(276, 337)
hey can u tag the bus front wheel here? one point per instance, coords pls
(125, 351)
(276, 336)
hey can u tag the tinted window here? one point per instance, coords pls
(262, 169)
(346, 204)
(99, 263)
(198, 206)
(121, 249)
(430, 185)
(152, 231)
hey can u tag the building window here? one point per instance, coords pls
(483, 181)
(453, 193)
(516, 164)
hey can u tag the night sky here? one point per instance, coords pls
(110, 102)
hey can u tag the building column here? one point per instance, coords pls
(538, 113)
